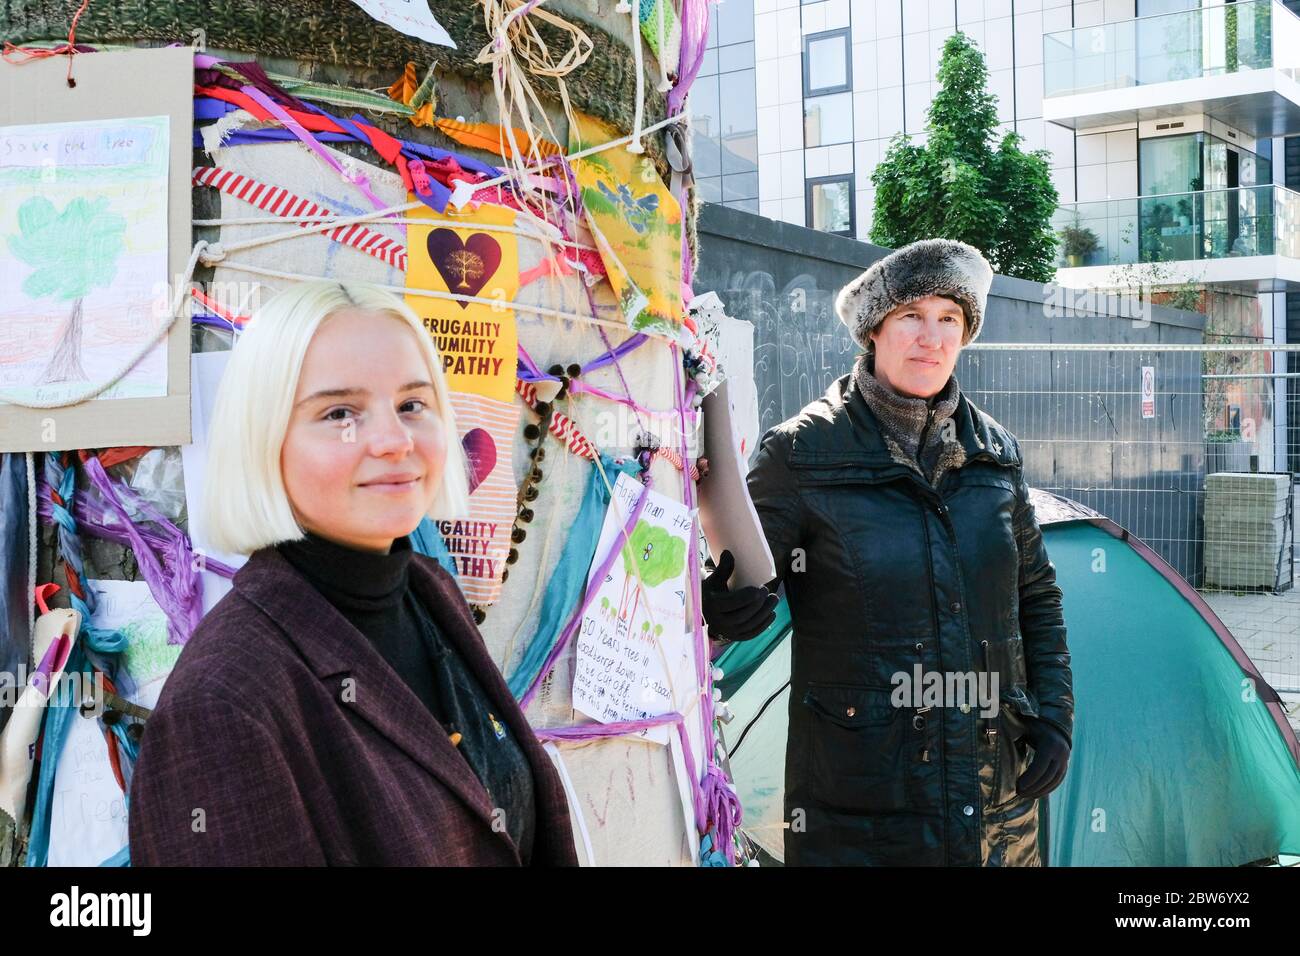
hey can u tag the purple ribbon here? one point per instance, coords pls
(618, 728)
(163, 553)
(529, 372)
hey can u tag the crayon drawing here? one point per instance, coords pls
(634, 655)
(83, 258)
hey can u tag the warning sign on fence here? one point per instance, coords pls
(1148, 391)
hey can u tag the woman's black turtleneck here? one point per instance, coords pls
(373, 592)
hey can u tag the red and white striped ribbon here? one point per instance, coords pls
(281, 202)
(663, 451)
(562, 426)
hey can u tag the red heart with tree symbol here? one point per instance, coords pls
(465, 265)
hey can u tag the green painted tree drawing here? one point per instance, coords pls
(655, 555)
(71, 253)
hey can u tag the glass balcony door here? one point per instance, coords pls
(1171, 172)
(1197, 201)
(1238, 216)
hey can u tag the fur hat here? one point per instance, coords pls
(925, 267)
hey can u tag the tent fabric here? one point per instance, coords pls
(1182, 752)
(1175, 762)
(755, 740)
(741, 658)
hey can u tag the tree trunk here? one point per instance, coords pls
(65, 364)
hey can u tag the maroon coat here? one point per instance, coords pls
(261, 751)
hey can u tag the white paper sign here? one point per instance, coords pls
(411, 17)
(1148, 391)
(633, 653)
(83, 258)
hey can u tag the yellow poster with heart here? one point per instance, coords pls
(462, 254)
(637, 226)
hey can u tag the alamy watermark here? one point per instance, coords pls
(86, 691)
(1110, 303)
(962, 689)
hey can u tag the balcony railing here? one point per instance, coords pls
(1209, 41)
(1178, 227)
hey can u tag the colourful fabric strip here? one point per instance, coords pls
(619, 728)
(529, 371)
(357, 178)
(565, 587)
(488, 136)
(597, 576)
(281, 202)
(425, 170)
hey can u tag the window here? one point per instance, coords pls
(828, 120)
(1170, 164)
(743, 186)
(826, 63)
(739, 129)
(706, 152)
(724, 113)
(829, 204)
(735, 21)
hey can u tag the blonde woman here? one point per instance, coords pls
(338, 706)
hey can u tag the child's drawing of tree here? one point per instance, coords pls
(653, 553)
(71, 253)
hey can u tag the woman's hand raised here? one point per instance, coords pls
(734, 615)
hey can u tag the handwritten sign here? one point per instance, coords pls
(74, 144)
(83, 257)
(633, 656)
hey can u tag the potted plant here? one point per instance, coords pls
(1077, 242)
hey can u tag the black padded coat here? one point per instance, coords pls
(884, 572)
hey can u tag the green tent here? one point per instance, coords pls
(1182, 752)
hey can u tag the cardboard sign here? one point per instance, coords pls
(94, 233)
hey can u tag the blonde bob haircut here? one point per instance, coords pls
(245, 505)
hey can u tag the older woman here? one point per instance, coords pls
(898, 516)
(338, 706)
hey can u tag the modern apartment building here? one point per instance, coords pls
(1168, 123)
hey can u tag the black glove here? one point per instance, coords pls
(1051, 758)
(739, 615)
